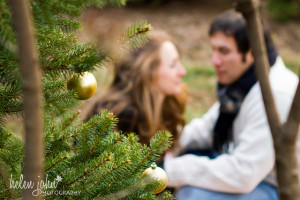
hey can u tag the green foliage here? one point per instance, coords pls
(135, 34)
(90, 157)
(11, 151)
(293, 65)
(93, 160)
(7, 37)
(11, 157)
(283, 10)
(60, 51)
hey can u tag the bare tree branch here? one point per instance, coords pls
(291, 127)
(31, 75)
(284, 136)
(257, 42)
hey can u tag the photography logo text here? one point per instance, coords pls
(42, 187)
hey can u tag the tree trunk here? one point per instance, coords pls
(284, 136)
(31, 75)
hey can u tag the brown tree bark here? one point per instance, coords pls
(284, 135)
(31, 75)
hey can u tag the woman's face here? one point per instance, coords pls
(170, 71)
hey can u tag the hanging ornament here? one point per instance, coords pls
(84, 84)
(153, 174)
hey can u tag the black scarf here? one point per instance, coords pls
(231, 98)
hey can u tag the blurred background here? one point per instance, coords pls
(187, 21)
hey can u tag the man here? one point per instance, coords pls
(241, 162)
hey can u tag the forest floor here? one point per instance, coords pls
(188, 23)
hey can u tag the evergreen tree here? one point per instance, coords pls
(82, 160)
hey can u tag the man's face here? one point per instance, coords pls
(227, 60)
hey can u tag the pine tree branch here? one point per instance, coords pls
(52, 130)
(64, 137)
(55, 102)
(61, 67)
(115, 143)
(165, 196)
(45, 11)
(132, 159)
(112, 170)
(70, 120)
(108, 158)
(7, 38)
(124, 162)
(52, 36)
(3, 174)
(103, 129)
(15, 151)
(84, 142)
(123, 193)
(136, 32)
(54, 164)
(81, 53)
(162, 142)
(71, 58)
(67, 25)
(44, 48)
(128, 161)
(86, 173)
(135, 35)
(13, 111)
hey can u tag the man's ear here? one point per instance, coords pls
(249, 58)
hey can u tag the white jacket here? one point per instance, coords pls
(253, 157)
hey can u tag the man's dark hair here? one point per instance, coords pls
(232, 23)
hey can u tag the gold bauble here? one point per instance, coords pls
(84, 84)
(153, 174)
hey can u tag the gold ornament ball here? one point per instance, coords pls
(153, 174)
(84, 84)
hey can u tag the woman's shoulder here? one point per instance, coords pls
(129, 112)
(128, 119)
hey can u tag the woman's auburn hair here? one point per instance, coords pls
(133, 84)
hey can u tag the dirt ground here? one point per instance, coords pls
(187, 22)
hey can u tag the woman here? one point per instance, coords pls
(147, 94)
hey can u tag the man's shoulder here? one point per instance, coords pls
(282, 79)
(279, 70)
(283, 83)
